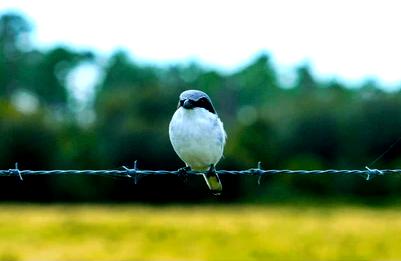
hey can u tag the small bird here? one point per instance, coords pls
(198, 136)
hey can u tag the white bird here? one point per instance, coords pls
(198, 136)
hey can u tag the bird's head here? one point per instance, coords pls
(191, 99)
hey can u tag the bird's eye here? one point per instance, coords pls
(180, 103)
(202, 102)
(205, 103)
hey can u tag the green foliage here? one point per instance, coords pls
(122, 73)
(313, 124)
(26, 137)
(50, 73)
(12, 29)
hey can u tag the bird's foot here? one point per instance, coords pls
(211, 170)
(183, 173)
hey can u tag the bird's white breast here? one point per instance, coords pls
(197, 136)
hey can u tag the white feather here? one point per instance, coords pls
(198, 137)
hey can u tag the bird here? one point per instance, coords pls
(198, 136)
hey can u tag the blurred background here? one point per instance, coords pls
(72, 99)
(298, 84)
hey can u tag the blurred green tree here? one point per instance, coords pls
(313, 124)
(14, 30)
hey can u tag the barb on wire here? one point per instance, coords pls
(258, 171)
(136, 173)
(372, 172)
(132, 172)
(16, 172)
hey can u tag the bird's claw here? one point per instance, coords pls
(211, 170)
(183, 173)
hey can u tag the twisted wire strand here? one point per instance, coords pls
(134, 172)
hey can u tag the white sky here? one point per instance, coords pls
(351, 40)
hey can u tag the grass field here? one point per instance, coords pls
(135, 232)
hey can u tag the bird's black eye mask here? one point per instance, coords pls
(200, 103)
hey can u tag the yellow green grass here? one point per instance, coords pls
(135, 232)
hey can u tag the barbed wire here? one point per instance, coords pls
(136, 173)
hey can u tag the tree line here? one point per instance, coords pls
(308, 124)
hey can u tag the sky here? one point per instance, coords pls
(349, 40)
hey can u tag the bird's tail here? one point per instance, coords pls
(213, 182)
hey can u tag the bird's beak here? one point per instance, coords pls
(188, 104)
